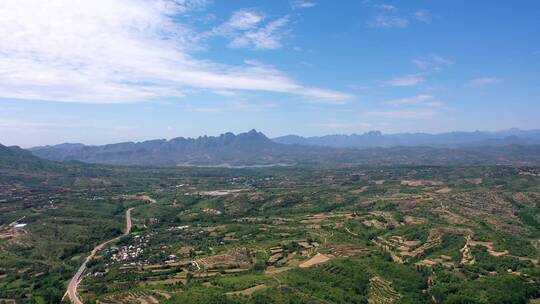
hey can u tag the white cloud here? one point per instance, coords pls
(482, 81)
(245, 19)
(265, 38)
(386, 7)
(404, 81)
(432, 62)
(423, 16)
(419, 100)
(104, 51)
(247, 28)
(387, 17)
(300, 4)
(325, 96)
(388, 21)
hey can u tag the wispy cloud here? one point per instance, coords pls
(482, 81)
(249, 28)
(388, 21)
(301, 4)
(387, 17)
(432, 62)
(418, 100)
(243, 19)
(386, 7)
(403, 81)
(267, 37)
(423, 16)
(105, 51)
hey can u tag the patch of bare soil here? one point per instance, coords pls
(9, 233)
(347, 250)
(166, 295)
(275, 270)
(420, 183)
(318, 218)
(413, 220)
(239, 258)
(444, 190)
(316, 260)
(444, 260)
(246, 292)
(374, 223)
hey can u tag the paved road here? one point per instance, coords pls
(74, 283)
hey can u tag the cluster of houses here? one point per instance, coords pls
(130, 252)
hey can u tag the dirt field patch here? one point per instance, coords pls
(166, 295)
(239, 258)
(347, 250)
(374, 223)
(420, 183)
(444, 190)
(246, 292)
(275, 270)
(316, 260)
(445, 261)
(413, 220)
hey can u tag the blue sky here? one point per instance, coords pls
(107, 71)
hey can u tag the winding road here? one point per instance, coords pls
(76, 279)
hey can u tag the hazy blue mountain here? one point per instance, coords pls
(255, 149)
(243, 149)
(451, 139)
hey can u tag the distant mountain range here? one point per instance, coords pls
(451, 139)
(251, 148)
(255, 149)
